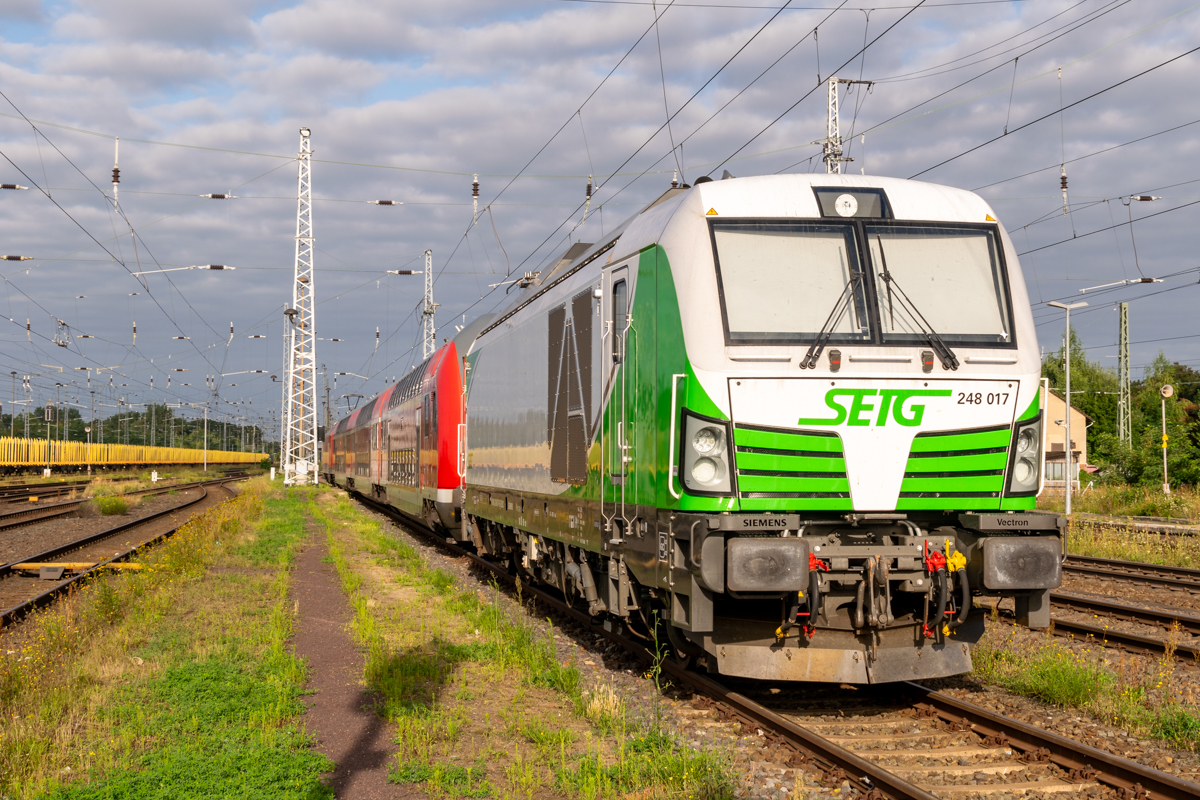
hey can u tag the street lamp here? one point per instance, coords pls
(1067, 394)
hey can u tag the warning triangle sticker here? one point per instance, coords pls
(712, 212)
(989, 218)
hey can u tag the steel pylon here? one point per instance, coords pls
(428, 330)
(300, 457)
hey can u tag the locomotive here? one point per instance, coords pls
(789, 424)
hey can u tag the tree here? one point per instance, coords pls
(1093, 386)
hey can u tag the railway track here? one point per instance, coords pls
(21, 593)
(25, 492)
(1137, 572)
(35, 514)
(1162, 525)
(905, 742)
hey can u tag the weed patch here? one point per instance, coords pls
(1129, 544)
(112, 505)
(171, 682)
(1060, 676)
(481, 703)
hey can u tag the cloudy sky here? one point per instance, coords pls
(407, 101)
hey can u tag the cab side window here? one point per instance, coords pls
(620, 319)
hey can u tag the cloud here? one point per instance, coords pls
(212, 24)
(449, 90)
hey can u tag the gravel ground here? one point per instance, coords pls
(29, 540)
(764, 768)
(768, 769)
(1128, 592)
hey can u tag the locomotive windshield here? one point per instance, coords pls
(952, 276)
(780, 281)
(785, 283)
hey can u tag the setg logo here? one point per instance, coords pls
(862, 407)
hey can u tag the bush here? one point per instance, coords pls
(112, 505)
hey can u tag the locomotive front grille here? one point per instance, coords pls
(967, 466)
(777, 468)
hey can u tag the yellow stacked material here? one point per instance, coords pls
(33, 453)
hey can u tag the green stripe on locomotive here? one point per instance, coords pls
(776, 471)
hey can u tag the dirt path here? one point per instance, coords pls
(340, 715)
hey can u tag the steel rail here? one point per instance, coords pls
(19, 611)
(1119, 564)
(1130, 642)
(35, 514)
(1075, 757)
(1149, 574)
(1082, 762)
(1161, 525)
(816, 746)
(1125, 611)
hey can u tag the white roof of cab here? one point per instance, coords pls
(783, 196)
(791, 196)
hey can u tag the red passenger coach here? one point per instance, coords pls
(402, 447)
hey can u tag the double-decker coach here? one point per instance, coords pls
(402, 447)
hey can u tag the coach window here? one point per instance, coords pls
(620, 319)
(433, 412)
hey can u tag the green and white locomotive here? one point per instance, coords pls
(790, 423)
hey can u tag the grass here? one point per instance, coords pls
(1121, 500)
(1129, 544)
(113, 506)
(481, 703)
(171, 682)
(1147, 701)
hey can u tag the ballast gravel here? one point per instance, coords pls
(768, 770)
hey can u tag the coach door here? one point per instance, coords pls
(616, 441)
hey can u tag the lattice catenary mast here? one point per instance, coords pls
(832, 146)
(300, 459)
(427, 327)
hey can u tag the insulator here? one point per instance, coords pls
(384, 202)
(589, 188)
(116, 174)
(675, 179)
(17, 258)
(475, 188)
(1063, 179)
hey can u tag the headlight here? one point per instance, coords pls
(706, 441)
(705, 456)
(707, 470)
(1026, 458)
(1023, 471)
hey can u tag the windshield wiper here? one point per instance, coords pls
(844, 300)
(944, 353)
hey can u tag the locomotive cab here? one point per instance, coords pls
(791, 423)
